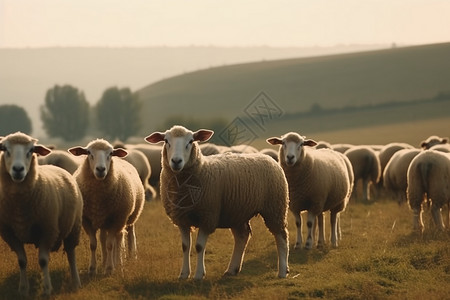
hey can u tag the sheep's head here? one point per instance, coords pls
(18, 149)
(291, 146)
(178, 143)
(433, 141)
(99, 153)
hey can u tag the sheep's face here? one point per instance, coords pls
(99, 154)
(18, 152)
(291, 147)
(433, 141)
(178, 144)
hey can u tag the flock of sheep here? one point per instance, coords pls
(47, 196)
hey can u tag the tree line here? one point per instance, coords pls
(66, 114)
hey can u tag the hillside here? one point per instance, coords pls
(297, 85)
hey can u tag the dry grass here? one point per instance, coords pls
(379, 258)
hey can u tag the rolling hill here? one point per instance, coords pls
(361, 79)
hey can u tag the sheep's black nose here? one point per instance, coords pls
(290, 157)
(176, 161)
(100, 169)
(18, 169)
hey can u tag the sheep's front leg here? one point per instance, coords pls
(298, 224)
(310, 224)
(186, 246)
(202, 237)
(76, 283)
(43, 263)
(93, 246)
(417, 219)
(321, 240)
(24, 286)
(103, 235)
(111, 240)
(241, 237)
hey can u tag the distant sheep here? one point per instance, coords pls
(366, 168)
(209, 149)
(270, 152)
(61, 159)
(428, 179)
(243, 149)
(432, 141)
(113, 200)
(153, 154)
(441, 147)
(341, 147)
(39, 205)
(319, 180)
(220, 191)
(395, 173)
(322, 145)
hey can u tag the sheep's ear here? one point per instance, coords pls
(274, 141)
(156, 137)
(424, 145)
(444, 140)
(119, 152)
(41, 150)
(202, 135)
(310, 143)
(77, 151)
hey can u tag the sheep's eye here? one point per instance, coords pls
(190, 143)
(167, 142)
(30, 152)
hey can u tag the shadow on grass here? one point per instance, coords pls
(224, 287)
(9, 287)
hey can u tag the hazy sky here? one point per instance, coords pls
(278, 23)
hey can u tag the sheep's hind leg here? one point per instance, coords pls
(334, 218)
(186, 246)
(131, 239)
(298, 224)
(241, 237)
(437, 216)
(310, 223)
(282, 241)
(71, 258)
(43, 263)
(321, 239)
(202, 237)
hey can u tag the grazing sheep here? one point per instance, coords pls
(40, 205)
(319, 180)
(395, 173)
(140, 162)
(341, 147)
(428, 179)
(271, 152)
(366, 168)
(209, 149)
(322, 145)
(113, 200)
(60, 159)
(153, 154)
(220, 191)
(432, 141)
(441, 147)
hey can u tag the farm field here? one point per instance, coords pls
(379, 257)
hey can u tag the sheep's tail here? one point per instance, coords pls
(418, 185)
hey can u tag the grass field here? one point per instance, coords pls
(379, 257)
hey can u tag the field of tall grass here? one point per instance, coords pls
(379, 257)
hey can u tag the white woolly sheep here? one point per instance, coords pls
(395, 173)
(341, 147)
(428, 179)
(319, 180)
(39, 205)
(242, 148)
(153, 154)
(61, 159)
(142, 165)
(432, 141)
(386, 153)
(441, 147)
(113, 200)
(322, 145)
(209, 149)
(366, 168)
(271, 152)
(220, 191)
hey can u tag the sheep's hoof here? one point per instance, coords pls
(297, 246)
(92, 271)
(183, 276)
(228, 273)
(308, 246)
(320, 245)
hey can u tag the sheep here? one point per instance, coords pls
(61, 159)
(153, 154)
(341, 147)
(441, 147)
(220, 191)
(432, 141)
(395, 173)
(271, 152)
(140, 162)
(366, 168)
(428, 178)
(322, 145)
(209, 149)
(243, 148)
(40, 205)
(319, 180)
(113, 200)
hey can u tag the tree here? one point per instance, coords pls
(118, 113)
(14, 118)
(65, 113)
